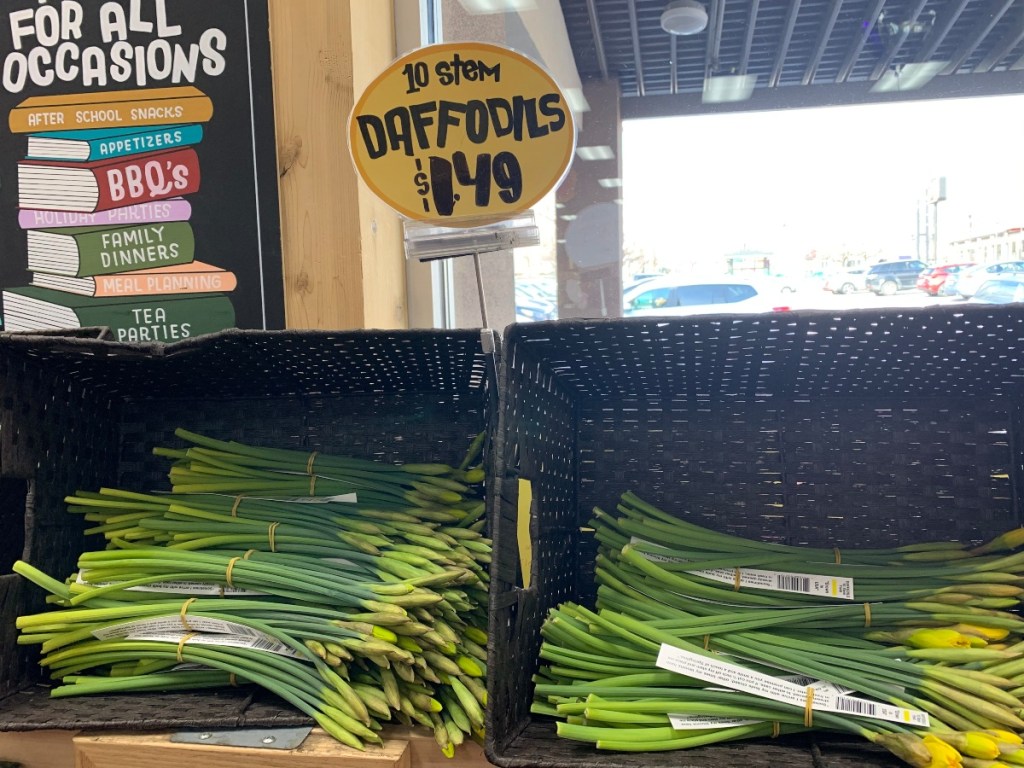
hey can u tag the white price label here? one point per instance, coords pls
(698, 722)
(826, 698)
(345, 498)
(840, 588)
(178, 588)
(263, 643)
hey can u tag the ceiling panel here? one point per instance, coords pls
(802, 52)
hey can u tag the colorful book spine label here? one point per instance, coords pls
(115, 144)
(106, 251)
(111, 109)
(172, 209)
(154, 282)
(165, 319)
(127, 181)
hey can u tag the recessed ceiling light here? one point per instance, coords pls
(728, 88)
(610, 182)
(602, 152)
(576, 100)
(684, 17)
(568, 217)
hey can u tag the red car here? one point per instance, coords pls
(931, 280)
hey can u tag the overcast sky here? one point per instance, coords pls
(794, 180)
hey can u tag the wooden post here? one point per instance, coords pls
(129, 750)
(344, 264)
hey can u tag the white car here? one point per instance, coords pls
(675, 296)
(970, 280)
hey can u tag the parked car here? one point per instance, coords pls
(848, 281)
(678, 296)
(969, 280)
(1000, 290)
(932, 279)
(891, 276)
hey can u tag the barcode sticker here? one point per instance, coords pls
(261, 643)
(826, 698)
(838, 587)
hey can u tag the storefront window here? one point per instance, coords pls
(774, 191)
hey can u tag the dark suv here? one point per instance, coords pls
(885, 279)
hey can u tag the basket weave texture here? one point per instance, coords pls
(82, 413)
(849, 429)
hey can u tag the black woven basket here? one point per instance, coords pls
(852, 429)
(80, 413)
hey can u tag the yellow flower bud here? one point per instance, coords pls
(980, 744)
(942, 754)
(938, 637)
(991, 634)
(1005, 737)
(1013, 755)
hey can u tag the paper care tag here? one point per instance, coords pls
(825, 698)
(199, 629)
(178, 588)
(840, 588)
(699, 722)
(177, 624)
(265, 643)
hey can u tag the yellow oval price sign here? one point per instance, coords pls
(462, 133)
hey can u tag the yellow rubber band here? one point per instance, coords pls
(249, 553)
(312, 485)
(309, 464)
(839, 555)
(235, 506)
(181, 645)
(707, 642)
(270, 535)
(867, 615)
(232, 680)
(736, 583)
(808, 711)
(231, 565)
(776, 729)
(184, 610)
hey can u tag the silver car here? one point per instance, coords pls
(970, 280)
(679, 296)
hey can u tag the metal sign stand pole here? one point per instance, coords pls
(480, 289)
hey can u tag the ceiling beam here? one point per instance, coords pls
(637, 61)
(858, 44)
(897, 40)
(595, 31)
(783, 50)
(1002, 49)
(814, 96)
(989, 18)
(950, 13)
(823, 37)
(749, 42)
(715, 21)
(673, 62)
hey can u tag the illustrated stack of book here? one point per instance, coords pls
(102, 197)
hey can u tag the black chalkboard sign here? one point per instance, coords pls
(138, 184)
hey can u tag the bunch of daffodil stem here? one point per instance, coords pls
(355, 590)
(930, 631)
